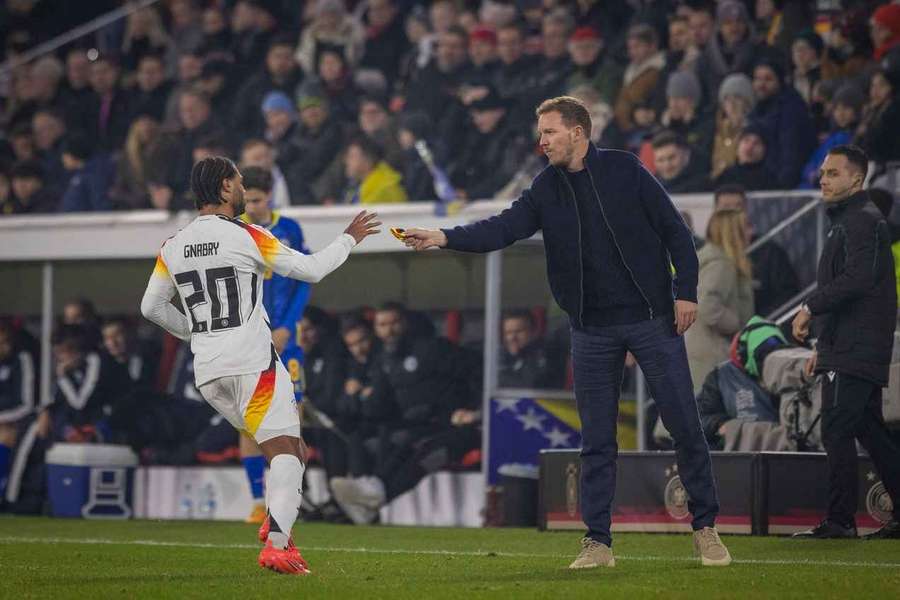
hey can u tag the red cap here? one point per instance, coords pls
(888, 16)
(585, 33)
(483, 33)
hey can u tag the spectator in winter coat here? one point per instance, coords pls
(724, 293)
(885, 30)
(491, 151)
(90, 179)
(641, 75)
(49, 131)
(774, 278)
(280, 73)
(169, 186)
(736, 101)
(434, 88)
(151, 94)
(135, 163)
(785, 122)
(845, 115)
(331, 27)
(676, 168)
(731, 49)
(386, 41)
(106, 113)
(314, 145)
(877, 133)
(750, 171)
(806, 54)
(373, 181)
(684, 117)
(593, 65)
(30, 194)
(515, 80)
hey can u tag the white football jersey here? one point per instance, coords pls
(216, 267)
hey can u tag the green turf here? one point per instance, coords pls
(45, 558)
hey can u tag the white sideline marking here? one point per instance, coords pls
(481, 553)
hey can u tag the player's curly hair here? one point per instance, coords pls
(207, 177)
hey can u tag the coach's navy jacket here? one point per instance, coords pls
(644, 224)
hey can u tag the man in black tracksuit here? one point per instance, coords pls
(610, 234)
(855, 307)
(428, 390)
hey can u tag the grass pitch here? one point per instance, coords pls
(54, 558)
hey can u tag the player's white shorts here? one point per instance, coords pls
(262, 404)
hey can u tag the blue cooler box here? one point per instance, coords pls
(94, 481)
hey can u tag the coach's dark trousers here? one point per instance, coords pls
(598, 358)
(851, 410)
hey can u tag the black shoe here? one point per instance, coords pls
(890, 531)
(827, 530)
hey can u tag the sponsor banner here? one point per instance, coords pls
(206, 493)
(795, 493)
(223, 494)
(760, 493)
(442, 499)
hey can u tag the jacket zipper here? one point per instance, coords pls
(616, 242)
(580, 265)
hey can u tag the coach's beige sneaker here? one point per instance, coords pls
(710, 549)
(593, 554)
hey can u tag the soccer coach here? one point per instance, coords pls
(609, 233)
(855, 306)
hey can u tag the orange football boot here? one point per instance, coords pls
(287, 561)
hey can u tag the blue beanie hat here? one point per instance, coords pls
(278, 101)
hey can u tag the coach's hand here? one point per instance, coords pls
(423, 239)
(685, 315)
(363, 225)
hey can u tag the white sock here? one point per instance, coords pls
(284, 494)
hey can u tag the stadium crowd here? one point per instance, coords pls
(396, 100)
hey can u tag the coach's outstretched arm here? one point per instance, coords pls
(518, 222)
(312, 267)
(157, 307)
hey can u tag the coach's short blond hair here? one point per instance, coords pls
(572, 110)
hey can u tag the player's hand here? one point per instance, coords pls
(363, 225)
(423, 239)
(800, 325)
(280, 338)
(685, 315)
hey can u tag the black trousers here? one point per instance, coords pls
(851, 410)
(406, 464)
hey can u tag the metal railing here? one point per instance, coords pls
(73, 34)
(770, 235)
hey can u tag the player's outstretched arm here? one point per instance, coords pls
(423, 239)
(156, 305)
(314, 267)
